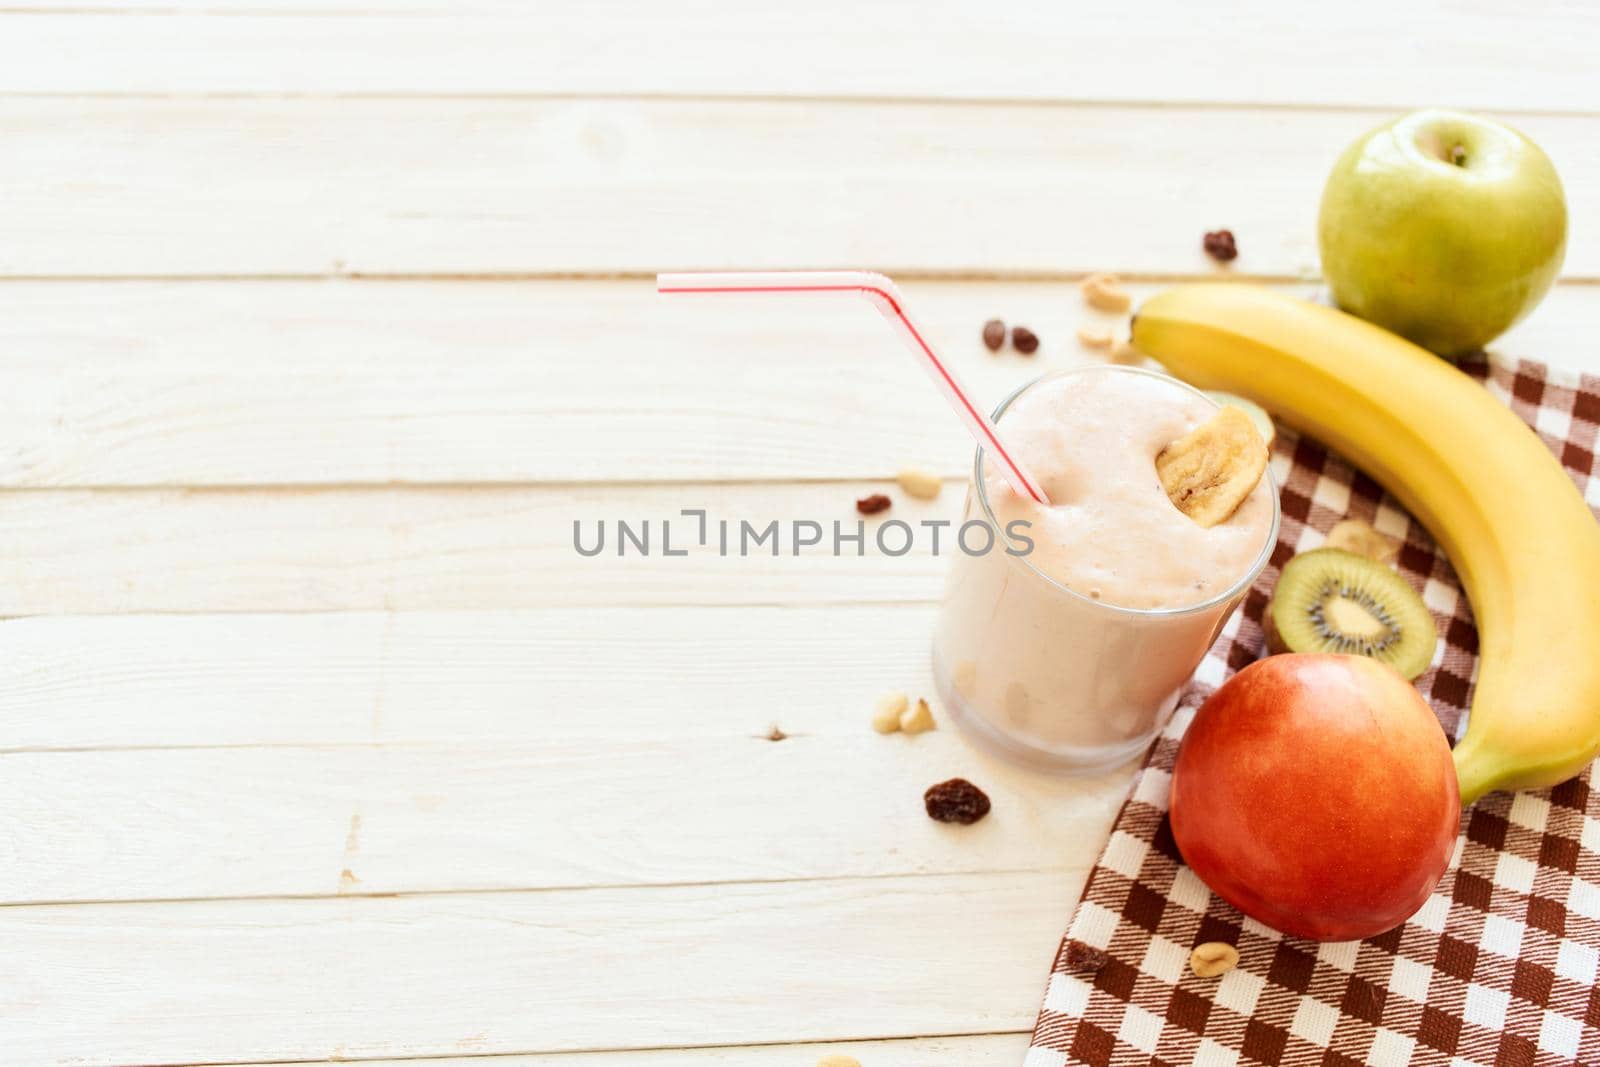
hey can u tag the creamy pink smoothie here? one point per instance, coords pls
(1071, 656)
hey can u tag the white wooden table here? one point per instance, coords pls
(321, 323)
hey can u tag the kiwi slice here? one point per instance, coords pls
(1330, 600)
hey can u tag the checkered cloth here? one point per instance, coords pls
(1497, 969)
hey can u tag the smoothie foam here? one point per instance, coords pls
(1109, 531)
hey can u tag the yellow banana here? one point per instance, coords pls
(1526, 546)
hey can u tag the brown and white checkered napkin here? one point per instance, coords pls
(1498, 968)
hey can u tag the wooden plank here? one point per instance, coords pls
(479, 679)
(528, 972)
(302, 383)
(289, 8)
(1158, 50)
(491, 751)
(320, 187)
(988, 1050)
(174, 825)
(473, 548)
(448, 382)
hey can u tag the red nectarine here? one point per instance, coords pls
(1316, 794)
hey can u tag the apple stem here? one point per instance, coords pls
(1458, 155)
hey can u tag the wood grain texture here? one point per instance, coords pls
(328, 187)
(210, 383)
(84, 552)
(171, 825)
(527, 972)
(362, 382)
(489, 750)
(1157, 50)
(481, 679)
(522, 750)
(988, 1050)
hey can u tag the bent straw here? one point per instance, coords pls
(887, 299)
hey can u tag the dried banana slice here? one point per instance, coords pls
(1209, 471)
(1353, 535)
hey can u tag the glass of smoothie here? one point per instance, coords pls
(1065, 646)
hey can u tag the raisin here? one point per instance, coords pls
(994, 335)
(957, 800)
(1024, 340)
(871, 505)
(1220, 247)
(1082, 957)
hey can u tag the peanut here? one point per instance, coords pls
(1213, 958)
(1092, 338)
(924, 485)
(1105, 292)
(886, 713)
(918, 720)
(1127, 355)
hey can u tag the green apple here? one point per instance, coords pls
(1443, 227)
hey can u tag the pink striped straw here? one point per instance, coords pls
(887, 299)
